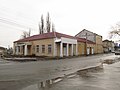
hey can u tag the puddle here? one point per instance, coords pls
(102, 79)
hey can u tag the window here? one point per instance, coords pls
(37, 48)
(43, 48)
(49, 48)
(18, 48)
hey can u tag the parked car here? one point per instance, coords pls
(117, 52)
(113, 51)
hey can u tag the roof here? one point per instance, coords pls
(53, 35)
(87, 31)
(2, 48)
(108, 41)
(45, 36)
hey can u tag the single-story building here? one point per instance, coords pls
(47, 44)
(2, 50)
(53, 44)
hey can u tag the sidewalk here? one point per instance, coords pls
(44, 58)
(2, 61)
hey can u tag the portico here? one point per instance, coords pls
(66, 46)
(23, 49)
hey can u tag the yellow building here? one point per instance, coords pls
(99, 44)
(47, 44)
(56, 44)
(85, 47)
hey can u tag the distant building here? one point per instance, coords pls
(117, 45)
(108, 46)
(93, 37)
(2, 50)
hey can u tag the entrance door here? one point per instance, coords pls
(88, 51)
(64, 51)
(92, 51)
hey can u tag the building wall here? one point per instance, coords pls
(108, 46)
(81, 48)
(1, 52)
(98, 48)
(19, 48)
(45, 42)
(85, 33)
(15, 49)
(58, 49)
(91, 46)
(99, 44)
(32, 48)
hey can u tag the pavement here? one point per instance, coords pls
(45, 70)
(3, 62)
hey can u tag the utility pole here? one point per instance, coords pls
(86, 43)
(86, 38)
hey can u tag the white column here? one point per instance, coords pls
(76, 49)
(61, 49)
(72, 50)
(55, 49)
(20, 49)
(43, 84)
(25, 50)
(16, 50)
(67, 49)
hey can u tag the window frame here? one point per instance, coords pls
(49, 48)
(43, 48)
(37, 48)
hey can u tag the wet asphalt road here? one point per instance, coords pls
(106, 79)
(16, 76)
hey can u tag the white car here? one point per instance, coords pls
(117, 52)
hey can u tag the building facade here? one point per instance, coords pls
(99, 44)
(85, 47)
(93, 37)
(2, 51)
(57, 44)
(108, 46)
(47, 44)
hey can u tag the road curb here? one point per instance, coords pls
(80, 72)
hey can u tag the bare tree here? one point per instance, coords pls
(53, 27)
(29, 33)
(40, 31)
(48, 23)
(25, 34)
(41, 26)
(115, 30)
(49, 27)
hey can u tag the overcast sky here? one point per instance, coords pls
(69, 16)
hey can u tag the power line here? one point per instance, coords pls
(11, 22)
(10, 15)
(15, 28)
